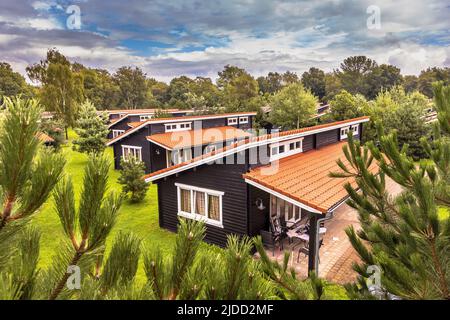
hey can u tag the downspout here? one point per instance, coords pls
(329, 215)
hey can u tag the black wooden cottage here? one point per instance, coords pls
(161, 143)
(237, 189)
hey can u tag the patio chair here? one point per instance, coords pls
(305, 249)
(269, 239)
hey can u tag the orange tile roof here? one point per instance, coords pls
(191, 138)
(255, 139)
(304, 177)
(134, 124)
(45, 138)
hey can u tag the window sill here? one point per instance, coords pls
(200, 218)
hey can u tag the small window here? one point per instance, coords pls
(298, 145)
(344, 132)
(116, 133)
(232, 121)
(355, 129)
(181, 155)
(145, 117)
(281, 149)
(178, 126)
(274, 151)
(243, 120)
(292, 146)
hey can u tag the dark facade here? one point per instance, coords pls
(241, 214)
(227, 179)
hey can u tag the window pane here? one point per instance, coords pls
(281, 149)
(274, 151)
(289, 211)
(213, 207)
(273, 201)
(199, 204)
(292, 146)
(297, 145)
(185, 198)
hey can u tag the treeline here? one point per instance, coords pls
(57, 79)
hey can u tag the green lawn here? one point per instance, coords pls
(141, 219)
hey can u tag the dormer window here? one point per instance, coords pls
(286, 148)
(232, 121)
(243, 120)
(145, 117)
(178, 126)
(344, 131)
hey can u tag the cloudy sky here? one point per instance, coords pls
(168, 38)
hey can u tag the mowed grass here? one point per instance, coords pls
(140, 218)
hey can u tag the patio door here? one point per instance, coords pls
(280, 207)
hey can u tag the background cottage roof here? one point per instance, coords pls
(192, 138)
(138, 125)
(264, 139)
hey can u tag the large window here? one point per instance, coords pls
(131, 151)
(287, 148)
(116, 133)
(178, 126)
(282, 208)
(200, 204)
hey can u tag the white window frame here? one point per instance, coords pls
(345, 130)
(145, 117)
(243, 120)
(355, 129)
(232, 121)
(198, 217)
(172, 127)
(138, 151)
(116, 133)
(287, 150)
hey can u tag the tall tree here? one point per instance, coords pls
(91, 128)
(382, 77)
(403, 236)
(62, 88)
(12, 83)
(353, 73)
(133, 87)
(100, 88)
(333, 86)
(271, 83)
(346, 106)
(314, 80)
(238, 91)
(228, 73)
(293, 107)
(430, 75)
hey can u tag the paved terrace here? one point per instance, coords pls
(336, 253)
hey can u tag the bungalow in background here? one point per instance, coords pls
(119, 119)
(164, 142)
(268, 185)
